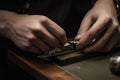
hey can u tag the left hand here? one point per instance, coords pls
(100, 29)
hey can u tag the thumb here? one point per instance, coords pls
(84, 26)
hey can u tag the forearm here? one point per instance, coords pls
(101, 2)
(105, 4)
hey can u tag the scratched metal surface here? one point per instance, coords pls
(93, 69)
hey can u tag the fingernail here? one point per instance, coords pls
(63, 42)
(78, 37)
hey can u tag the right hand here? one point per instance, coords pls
(100, 28)
(35, 33)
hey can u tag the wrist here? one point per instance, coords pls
(5, 22)
(115, 2)
(93, 2)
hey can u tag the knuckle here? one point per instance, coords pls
(26, 47)
(43, 19)
(38, 29)
(31, 37)
(107, 19)
(35, 29)
(116, 25)
(32, 40)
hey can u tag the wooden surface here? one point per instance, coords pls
(39, 69)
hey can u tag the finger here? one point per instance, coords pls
(30, 48)
(32, 44)
(55, 30)
(24, 42)
(85, 25)
(33, 49)
(101, 43)
(43, 35)
(40, 45)
(114, 40)
(93, 32)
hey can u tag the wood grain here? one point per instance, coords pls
(39, 69)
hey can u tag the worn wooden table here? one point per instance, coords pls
(96, 68)
(39, 69)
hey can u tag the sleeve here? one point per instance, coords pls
(12, 5)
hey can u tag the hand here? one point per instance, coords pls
(35, 33)
(99, 30)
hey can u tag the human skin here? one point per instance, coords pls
(100, 30)
(37, 33)
(33, 33)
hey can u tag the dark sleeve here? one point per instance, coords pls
(12, 5)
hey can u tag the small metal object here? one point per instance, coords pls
(70, 46)
(117, 5)
(115, 64)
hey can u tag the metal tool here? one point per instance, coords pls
(69, 47)
(115, 64)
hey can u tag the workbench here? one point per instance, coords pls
(96, 68)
